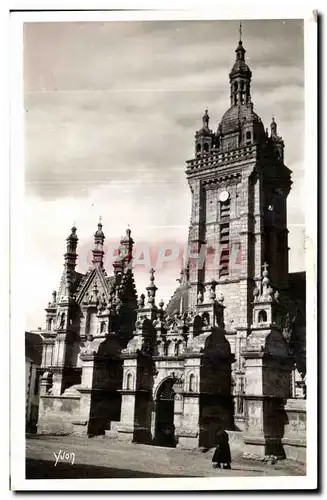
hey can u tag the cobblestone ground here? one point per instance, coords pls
(107, 458)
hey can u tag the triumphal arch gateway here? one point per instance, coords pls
(228, 350)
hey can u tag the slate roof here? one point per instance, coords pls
(236, 115)
(175, 302)
(33, 347)
(240, 66)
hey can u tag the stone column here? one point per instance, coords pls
(267, 387)
(178, 408)
(189, 434)
(196, 241)
(45, 383)
(59, 355)
(98, 388)
(258, 231)
(136, 407)
(82, 425)
(126, 425)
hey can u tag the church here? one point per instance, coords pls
(228, 350)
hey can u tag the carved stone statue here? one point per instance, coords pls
(62, 321)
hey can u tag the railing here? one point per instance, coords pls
(218, 158)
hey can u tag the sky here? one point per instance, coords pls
(111, 109)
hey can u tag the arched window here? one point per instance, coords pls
(248, 135)
(235, 86)
(62, 321)
(50, 323)
(192, 383)
(262, 317)
(103, 327)
(198, 148)
(206, 147)
(129, 382)
(205, 319)
(165, 349)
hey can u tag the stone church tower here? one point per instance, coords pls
(239, 187)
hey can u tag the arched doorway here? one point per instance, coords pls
(165, 402)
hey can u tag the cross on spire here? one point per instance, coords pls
(265, 267)
(240, 31)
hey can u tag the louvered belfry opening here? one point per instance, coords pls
(224, 238)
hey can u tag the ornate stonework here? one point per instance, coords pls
(172, 374)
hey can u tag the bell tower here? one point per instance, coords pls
(239, 187)
(240, 77)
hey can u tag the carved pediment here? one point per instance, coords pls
(94, 286)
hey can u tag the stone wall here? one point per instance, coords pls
(294, 440)
(57, 414)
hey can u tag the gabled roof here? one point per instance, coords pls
(178, 300)
(75, 284)
(106, 282)
(33, 347)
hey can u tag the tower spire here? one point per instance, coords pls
(70, 259)
(97, 251)
(240, 76)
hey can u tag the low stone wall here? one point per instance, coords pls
(294, 439)
(236, 442)
(57, 414)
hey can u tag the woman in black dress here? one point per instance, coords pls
(222, 452)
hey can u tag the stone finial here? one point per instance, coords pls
(54, 297)
(126, 246)
(140, 301)
(213, 285)
(161, 311)
(221, 298)
(98, 235)
(267, 291)
(256, 293)
(205, 119)
(265, 271)
(151, 288)
(276, 296)
(200, 297)
(182, 276)
(273, 128)
(72, 240)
